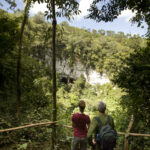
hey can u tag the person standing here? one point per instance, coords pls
(95, 138)
(80, 124)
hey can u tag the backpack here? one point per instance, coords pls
(106, 136)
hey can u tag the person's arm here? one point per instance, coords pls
(112, 123)
(92, 131)
(88, 122)
(73, 120)
(88, 125)
(73, 124)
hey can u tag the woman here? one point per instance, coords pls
(80, 123)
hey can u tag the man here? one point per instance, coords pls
(96, 126)
(80, 123)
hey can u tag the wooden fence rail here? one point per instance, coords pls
(28, 126)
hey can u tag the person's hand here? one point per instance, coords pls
(93, 141)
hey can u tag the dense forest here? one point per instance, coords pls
(124, 58)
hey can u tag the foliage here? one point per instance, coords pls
(12, 3)
(104, 51)
(65, 8)
(134, 79)
(102, 10)
(9, 34)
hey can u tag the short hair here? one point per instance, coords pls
(101, 106)
(81, 105)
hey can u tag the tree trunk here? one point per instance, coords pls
(54, 74)
(25, 16)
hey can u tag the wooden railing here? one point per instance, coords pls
(126, 134)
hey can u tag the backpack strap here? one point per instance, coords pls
(108, 120)
(99, 121)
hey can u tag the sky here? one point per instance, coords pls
(121, 24)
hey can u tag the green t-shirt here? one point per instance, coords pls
(94, 126)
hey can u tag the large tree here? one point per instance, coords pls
(66, 8)
(134, 78)
(12, 4)
(25, 17)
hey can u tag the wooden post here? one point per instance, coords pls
(126, 144)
